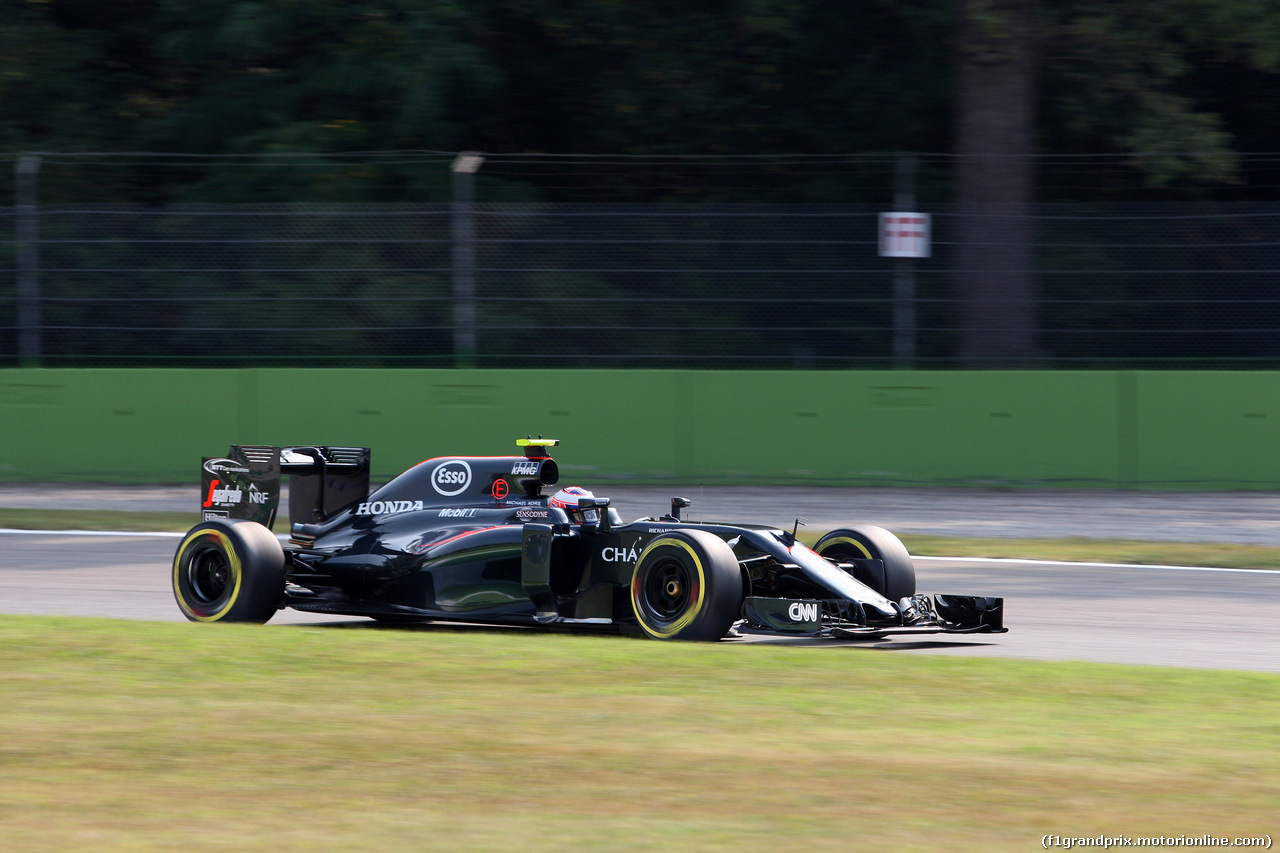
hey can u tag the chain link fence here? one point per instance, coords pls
(582, 284)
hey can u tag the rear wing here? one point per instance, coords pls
(245, 483)
(323, 481)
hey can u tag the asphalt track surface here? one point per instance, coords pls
(1240, 517)
(1198, 617)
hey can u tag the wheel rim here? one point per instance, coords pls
(684, 587)
(668, 590)
(209, 576)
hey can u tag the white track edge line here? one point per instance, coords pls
(1096, 565)
(87, 532)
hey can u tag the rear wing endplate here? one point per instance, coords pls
(243, 484)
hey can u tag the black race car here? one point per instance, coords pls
(475, 539)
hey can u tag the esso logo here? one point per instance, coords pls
(451, 478)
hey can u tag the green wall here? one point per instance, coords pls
(1138, 429)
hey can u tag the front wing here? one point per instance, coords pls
(920, 614)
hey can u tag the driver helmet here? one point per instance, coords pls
(567, 499)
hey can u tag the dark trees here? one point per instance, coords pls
(994, 279)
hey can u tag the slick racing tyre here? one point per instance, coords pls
(686, 586)
(873, 543)
(229, 571)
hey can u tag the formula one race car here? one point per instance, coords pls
(474, 539)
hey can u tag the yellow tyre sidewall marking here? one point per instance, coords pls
(846, 540)
(691, 614)
(233, 559)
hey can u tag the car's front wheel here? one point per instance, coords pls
(229, 571)
(686, 586)
(845, 545)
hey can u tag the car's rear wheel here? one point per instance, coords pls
(873, 543)
(229, 570)
(686, 586)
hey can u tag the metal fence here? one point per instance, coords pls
(586, 284)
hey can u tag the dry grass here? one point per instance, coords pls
(136, 736)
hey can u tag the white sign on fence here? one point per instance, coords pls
(904, 235)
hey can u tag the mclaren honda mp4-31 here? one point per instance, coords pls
(480, 540)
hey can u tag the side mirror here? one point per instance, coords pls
(600, 506)
(678, 504)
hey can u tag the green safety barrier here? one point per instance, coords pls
(1111, 429)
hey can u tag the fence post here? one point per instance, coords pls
(28, 261)
(904, 269)
(464, 167)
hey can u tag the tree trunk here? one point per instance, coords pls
(994, 280)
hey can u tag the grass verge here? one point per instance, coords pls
(148, 736)
(1224, 555)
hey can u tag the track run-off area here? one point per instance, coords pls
(1155, 615)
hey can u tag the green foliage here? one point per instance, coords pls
(637, 77)
(313, 75)
(1126, 76)
(271, 100)
(749, 77)
(47, 90)
(228, 77)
